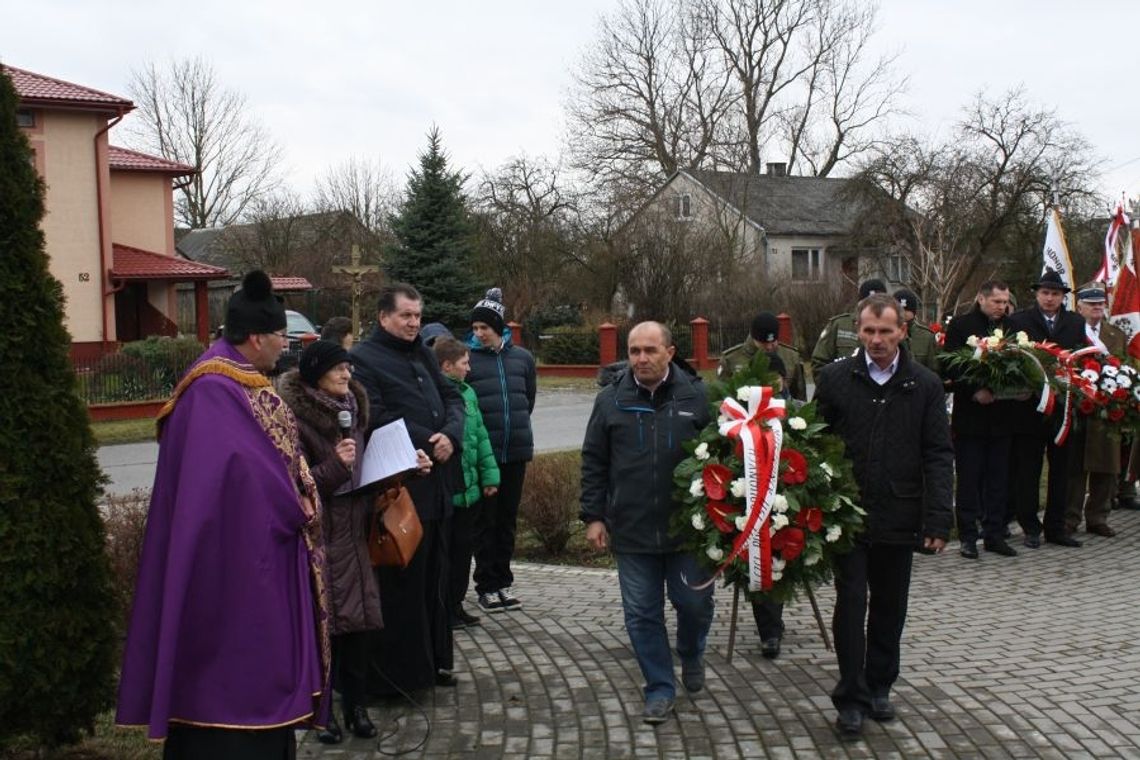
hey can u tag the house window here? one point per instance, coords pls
(684, 206)
(898, 269)
(807, 264)
(25, 119)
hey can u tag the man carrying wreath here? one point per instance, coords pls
(891, 414)
(632, 445)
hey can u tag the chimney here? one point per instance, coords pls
(777, 169)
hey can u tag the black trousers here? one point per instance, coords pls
(464, 532)
(983, 469)
(769, 618)
(350, 666)
(1026, 465)
(495, 544)
(867, 636)
(415, 642)
(206, 743)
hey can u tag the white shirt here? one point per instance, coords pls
(1092, 332)
(877, 373)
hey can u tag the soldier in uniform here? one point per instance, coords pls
(764, 336)
(839, 338)
(920, 340)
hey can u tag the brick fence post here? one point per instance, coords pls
(516, 334)
(607, 343)
(786, 335)
(700, 327)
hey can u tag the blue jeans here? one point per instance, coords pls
(643, 579)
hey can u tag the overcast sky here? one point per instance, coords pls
(338, 78)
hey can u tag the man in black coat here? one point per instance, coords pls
(403, 380)
(981, 429)
(890, 412)
(1046, 320)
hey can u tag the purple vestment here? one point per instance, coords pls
(224, 630)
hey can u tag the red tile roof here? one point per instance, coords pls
(131, 160)
(137, 264)
(37, 89)
(290, 283)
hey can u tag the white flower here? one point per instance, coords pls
(698, 521)
(738, 487)
(744, 392)
(776, 576)
(827, 469)
(779, 521)
(797, 423)
(1090, 374)
(778, 565)
(811, 559)
(833, 533)
(972, 341)
(702, 451)
(697, 488)
(1136, 391)
(741, 521)
(1023, 339)
(721, 419)
(715, 553)
(998, 334)
(1110, 370)
(1108, 385)
(1124, 381)
(779, 503)
(992, 342)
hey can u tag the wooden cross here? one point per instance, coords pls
(357, 270)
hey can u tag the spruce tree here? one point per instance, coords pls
(57, 606)
(435, 246)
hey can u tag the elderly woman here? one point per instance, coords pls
(320, 389)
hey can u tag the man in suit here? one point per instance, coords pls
(1094, 460)
(1045, 320)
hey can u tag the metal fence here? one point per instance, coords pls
(122, 377)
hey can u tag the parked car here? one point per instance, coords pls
(297, 327)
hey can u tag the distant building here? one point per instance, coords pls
(109, 222)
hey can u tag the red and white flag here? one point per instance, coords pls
(1125, 309)
(1110, 266)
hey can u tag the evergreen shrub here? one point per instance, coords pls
(549, 506)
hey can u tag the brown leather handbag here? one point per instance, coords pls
(396, 530)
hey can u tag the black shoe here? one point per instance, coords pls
(999, 546)
(770, 648)
(466, 616)
(508, 600)
(456, 623)
(1062, 541)
(969, 550)
(490, 603)
(1101, 530)
(357, 721)
(1032, 541)
(1127, 502)
(850, 723)
(693, 676)
(330, 734)
(881, 709)
(444, 678)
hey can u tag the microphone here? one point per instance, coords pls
(344, 422)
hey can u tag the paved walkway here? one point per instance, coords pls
(1032, 656)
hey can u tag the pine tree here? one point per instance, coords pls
(435, 245)
(57, 606)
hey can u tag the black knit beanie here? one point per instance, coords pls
(765, 327)
(255, 309)
(318, 358)
(491, 311)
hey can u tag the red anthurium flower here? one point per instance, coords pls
(1120, 394)
(1091, 364)
(789, 542)
(797, 470)
(935, 327)
(716, 478)
(810, 518)
(1116, 414)
(722, 515)
(1112, 361)
(1086, 406)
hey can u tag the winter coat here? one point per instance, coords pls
(403, 380)
(1102, 440)
(898, 439)
(1069, 333)
(478, 460)
(971, 418)
(345, 520)
(505, 381)
(632, 445)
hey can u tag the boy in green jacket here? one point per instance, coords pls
(480, 476)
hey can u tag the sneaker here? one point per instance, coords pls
(693, 675)
(490, 603)
(508, 600)
(657, 710)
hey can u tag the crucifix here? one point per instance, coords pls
(357, 270)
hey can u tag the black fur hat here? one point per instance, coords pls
(254, 308)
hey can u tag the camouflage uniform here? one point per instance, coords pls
(742, 353)
(840, 339)
(922, 344)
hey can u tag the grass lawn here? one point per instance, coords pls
(123, 431)
(107, 743)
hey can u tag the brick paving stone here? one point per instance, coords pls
(1027, 657)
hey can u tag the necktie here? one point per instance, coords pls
(1049, 324)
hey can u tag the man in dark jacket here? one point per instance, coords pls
(891, 414)
(1033, 433)
(982, 433)
(402, 379)
(633, 443)
(504, 379)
